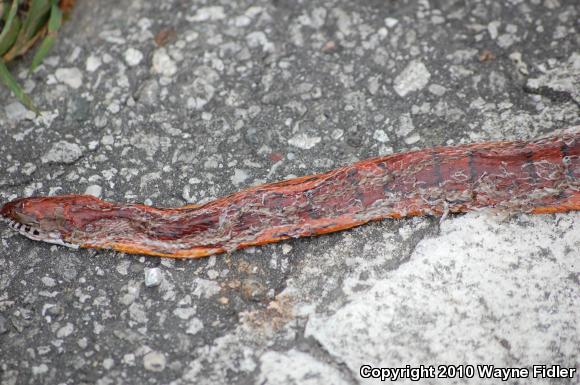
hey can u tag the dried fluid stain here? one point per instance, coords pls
(541, 176)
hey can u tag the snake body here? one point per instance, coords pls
(538, 176)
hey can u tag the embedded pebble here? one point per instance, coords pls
(63, 152)
(93, 63)
(304, 141)
(65, 331)
(94, 190)
(133, 57)
(209, 13)
(108, 363)
(163, 64)
(47, 281)
(40, 369)
(391, 22)
(381, 136)
(240, 176)
(154, 361)
(413, 78)
(72, 77)
(16, 111)
(437, 90)
(153, 277)
(195, 326)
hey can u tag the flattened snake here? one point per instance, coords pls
(538, 176)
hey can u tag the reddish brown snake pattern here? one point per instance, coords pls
(539, 176)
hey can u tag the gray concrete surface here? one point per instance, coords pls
(173, 102)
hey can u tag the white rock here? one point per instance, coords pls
(63, 152)
(304, 141)
(286, 248)
(437, 90)
(153, 277)
(72, 77)
(65, 331)
(295, 367)
(108, 363)
(93, 63)
(16, 111)
(184, 312)
(481, 275)
(47, 281)
(94, 190)
(259, 39)
(205, 288)
(413, 78)
(195, 326)
(40, 369)
(163, 64)
(412, 139)
(391, 22)
(154, 361)
(133, 57)
(492, 29)
(381, 136)
(209, 13)
(240, 176)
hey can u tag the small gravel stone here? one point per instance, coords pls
(133, 57)
(304, 141)
(108, 363)
(16, 111)
(391, 22)
(40, 369)
(65, 331)
(154, 361)
(63, 152)
(163, 64)
(381, 136)
(184, 312)
(94, 190)
(92, 63)
(239, 177)
(413, 78)
(437, 90)
(286, 248)
(72, 77)
(209, 13)
(195, 326)
(153, 277)
(47, 281)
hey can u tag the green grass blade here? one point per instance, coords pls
(42, 51)
(7, 36)
(55, 20)
(36, 17)
(13, 86)
(54, 24)
(8, 40)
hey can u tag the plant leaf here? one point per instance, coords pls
(11, 28)
(54, 24)
(55, 20)
(36, 16)
(42, 51)
(13, 86)
(8, 40)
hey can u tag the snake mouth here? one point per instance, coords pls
(36, 233)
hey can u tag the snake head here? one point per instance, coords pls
(47, 219)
